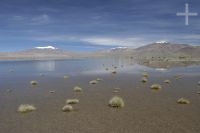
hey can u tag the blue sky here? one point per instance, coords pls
(85, 25)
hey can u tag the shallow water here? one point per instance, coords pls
(84, 66)
(144, 111)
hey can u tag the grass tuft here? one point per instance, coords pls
(93, 82)
(145, 74)
(114, 72)
(66, 77)
(99, 79)
(167, 81)
(115, 91)
(67, 108)
(33, 82)
(72, 101)
(156, 87)
(116, 102)
(52, 91)
(77, 89)
(41, 74)
(25, 108)
(183, 101)
(179, 76)
(144, 79)
(11, 70)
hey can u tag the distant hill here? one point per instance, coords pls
(162, 51)
(37, 53)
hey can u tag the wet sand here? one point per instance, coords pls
(145, 111)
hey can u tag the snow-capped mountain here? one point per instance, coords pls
(161, 42)
(119, 48)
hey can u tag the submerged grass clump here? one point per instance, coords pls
(156, 87)
(77, 89)
(117, 88)
(25, 108)
(116, 102)
(52, 91)
(144, 79)
(99, 79)
(94, 82)
(66, 77)
(11, 70)
(41, 74)
(114, 72)
(178, 76)
(167, 81)
(145, 74)
(67, 108)
(72, 101)
(33, 82)
(115, 91)
(183, 101)
(199, 83)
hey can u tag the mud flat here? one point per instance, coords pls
(144, 110)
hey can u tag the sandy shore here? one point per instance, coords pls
(144, 111)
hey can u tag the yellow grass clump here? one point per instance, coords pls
(67, 108)
(33, 82)
(156, 87)
(114, 72)
(183, 101)
(52, 91)
(178, 76)
(77, 89)
(66, 77)
(99, 79)
(167, 81)
(145, 74)
(11, 70)
(144, 79)
(117, 88)
(116, 102)
(93, 82)
(25, 108)
(41, 74)
(115, 67)
(72, 101)
(115, 91)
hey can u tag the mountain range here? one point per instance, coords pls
(155, 51)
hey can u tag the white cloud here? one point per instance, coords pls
(31, 20)
(47, 9)
(105, 41)
(55, 38)
(195, 36)
(113, 41)
(18, 18)
(41, 19)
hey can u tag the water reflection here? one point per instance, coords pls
(90, 66)
(45, 65)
